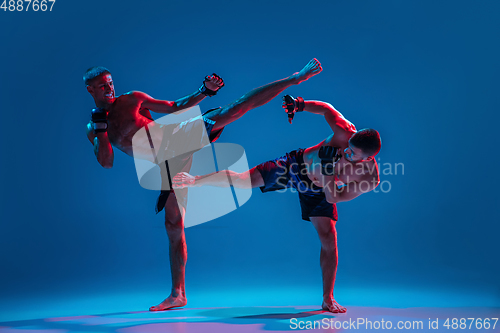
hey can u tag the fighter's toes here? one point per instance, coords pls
(316, 65)
(314, 62)
(333, 306)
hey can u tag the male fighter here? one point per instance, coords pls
(339, 168)
(117, 119)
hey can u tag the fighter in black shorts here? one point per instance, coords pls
(339, 168)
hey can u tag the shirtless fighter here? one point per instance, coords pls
(339, 168)
(116, 119)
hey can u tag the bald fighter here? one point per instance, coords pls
(116, 119)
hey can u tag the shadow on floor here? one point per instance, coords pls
(249, 319)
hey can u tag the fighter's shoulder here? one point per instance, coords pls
(345, 129)
(135, 96)
(131, 98)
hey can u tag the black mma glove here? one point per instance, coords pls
(292, 105)
(217, 80)
(99, 120)
(329, 156)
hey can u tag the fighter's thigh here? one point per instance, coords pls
(256, 178)
(174, 213)
(225, 115)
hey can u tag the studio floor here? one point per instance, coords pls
(253, 311)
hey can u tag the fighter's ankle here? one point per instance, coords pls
(178, 292)
(294, 78)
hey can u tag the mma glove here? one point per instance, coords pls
(293, 105)
(329, 156)
(215, 79)
(99, 119)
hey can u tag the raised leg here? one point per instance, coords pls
(260, 96)
(328, 260)
(174, 224)
(223, 178)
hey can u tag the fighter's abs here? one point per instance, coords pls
(124, 120)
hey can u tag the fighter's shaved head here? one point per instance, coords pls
(94, 72)
(367, 140)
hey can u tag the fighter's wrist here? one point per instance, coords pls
(101, 135)
(300, 104)
(99, 127)
(216, 82)
(295, 78)
(207, 92)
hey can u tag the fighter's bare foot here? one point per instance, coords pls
(312, 68)
(170, 302)
(331, 305)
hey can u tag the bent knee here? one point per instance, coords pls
(326, 231)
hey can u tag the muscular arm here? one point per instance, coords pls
(350, 191)
(102, 147)
(161, 106)
(334, 118)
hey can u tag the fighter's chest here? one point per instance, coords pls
(124, 122)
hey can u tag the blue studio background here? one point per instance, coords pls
(423, 73)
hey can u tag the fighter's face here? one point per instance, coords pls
(102, 89)
(355, 155)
